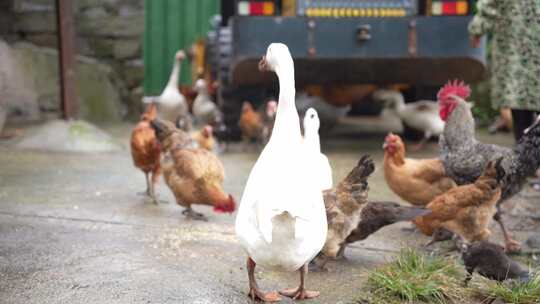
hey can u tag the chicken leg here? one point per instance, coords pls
(468, 278)
(150, 192)
(417, 147)
(147, 192)
(153, 196)
(341, 253)
(511, 245)
(300, 293)
(190, 214)
(254, 292)
(150, 188)
(318, 264)
(439, 235)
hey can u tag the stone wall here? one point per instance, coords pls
(108, 31)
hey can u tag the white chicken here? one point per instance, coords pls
(206, 112)
(171, 103)
(281, 222)
(421, 115)
(312, 144)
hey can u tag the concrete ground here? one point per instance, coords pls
(73, 230)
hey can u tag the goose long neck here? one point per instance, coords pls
(311, 138)
(399, 103)
(204, 93)
(287, 121)
(173, 79)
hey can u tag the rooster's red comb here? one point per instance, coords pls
(457, 88)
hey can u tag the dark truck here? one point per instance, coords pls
(420, 43)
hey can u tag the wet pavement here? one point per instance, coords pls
(74, 230)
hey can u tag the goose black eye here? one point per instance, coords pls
(312, 116)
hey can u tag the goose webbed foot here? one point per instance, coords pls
(190, 214)
(300, 293)
(254, 292)
(257, 295)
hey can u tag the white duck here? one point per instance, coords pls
(281, 222)
(204, 109)
(171, 103)
(421, 115)
(313, 145)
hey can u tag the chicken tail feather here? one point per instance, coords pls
(363, 169)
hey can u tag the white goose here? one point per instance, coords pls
(171, 103)
(313, 145)
(422, 115)
(281, 222)
(204, 109)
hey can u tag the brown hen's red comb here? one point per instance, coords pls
(391, 137)
(457, 88)
(227, 207)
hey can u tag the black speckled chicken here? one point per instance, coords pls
(464, 157)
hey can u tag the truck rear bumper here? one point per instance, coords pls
(419, 50)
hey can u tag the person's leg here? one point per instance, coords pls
(522, 119)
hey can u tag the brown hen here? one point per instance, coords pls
(251, 123)
(466, 210)
(205, 138)
(417, 181)
(145, 149)
(194, 175)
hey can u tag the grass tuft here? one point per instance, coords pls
(415, 277)
(512, 292)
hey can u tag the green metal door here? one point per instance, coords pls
(171, 25)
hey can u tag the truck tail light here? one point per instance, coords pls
(255, 8)
(449, 8)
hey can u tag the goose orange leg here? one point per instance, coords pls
(254, 292)
(300, 293)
